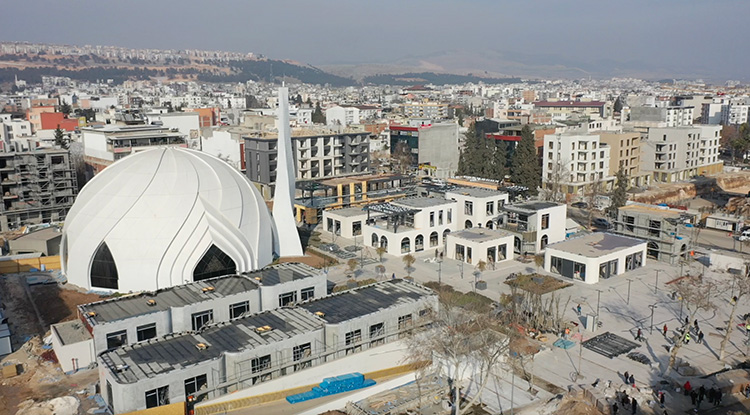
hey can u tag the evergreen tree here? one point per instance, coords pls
(474, 159)
(60, 139)
(499, 161)
(620, 195)
(618, 105)
(65, 108)
(317, 116)
(525, 167)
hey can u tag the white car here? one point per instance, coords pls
(744, 236)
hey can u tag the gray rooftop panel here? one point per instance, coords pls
(532, 206)
(480, 234)
(71, 332)
(421, 202)
(281, 273)
(477, 192)
(366, 300)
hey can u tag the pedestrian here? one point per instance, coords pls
(661, 399)
(693, 397)
(687, 338)
(632, 380)
(701, 392)
(578, 309)
(665, 330)
(700, 337)
(717, 397)
(687, 321)
(614, 408)
(625, 401)
(393, 277)
(639, 334)
(627, 376)
(633, 406)
(711, 393)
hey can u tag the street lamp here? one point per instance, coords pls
(652, 307)
(440, 273)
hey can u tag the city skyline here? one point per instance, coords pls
(547, 38)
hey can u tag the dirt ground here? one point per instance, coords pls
(30, 311)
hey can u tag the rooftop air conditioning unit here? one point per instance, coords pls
(320, 314)
(263, 329)
(201, 346)
(208, 289)
(91, 314)
(151, 302)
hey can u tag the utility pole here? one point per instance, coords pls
(629, 281)
(656, 284)
(440, 273)
(461, 266)
(598, 301)
(652, 307)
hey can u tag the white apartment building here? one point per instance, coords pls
(666, 116)
(575, 161)
(425, 109)
(342, 116)
(103, 146)
(477, 207)
(679, 153)
(734, 113)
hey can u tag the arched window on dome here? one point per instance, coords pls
(103, 269)
(214, 263)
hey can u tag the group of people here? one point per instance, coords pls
(713, 395)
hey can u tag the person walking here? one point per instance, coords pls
(632, 380)
(711, 393)
(665, 330)
(693, 397)
(626, 376)
(639, 335)
(624, 400)
(700, 337)
(701, 392)
(633, 406)
(687, 387)
(614, 408)
(578, 309)
(687, 338)
(717, 397)
(695, 324)
(661, 398)
(687, 321)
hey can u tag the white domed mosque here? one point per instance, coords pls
(164, 217)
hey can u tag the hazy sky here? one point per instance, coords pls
(660, 33)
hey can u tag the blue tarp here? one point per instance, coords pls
(332, 386)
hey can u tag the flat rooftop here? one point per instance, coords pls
(158, 356)
(477, 192)
(349, 212)
(421, 202)
(531, 206)
(335, 181)
(41, 235)
(654, 210)
(281, 273)
(122, 308)
(596, 244)
(71, 332)
(366, 300)
(480, 234)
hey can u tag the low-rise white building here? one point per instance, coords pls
(534, 225)
(480, 244)
(477, 207)
(342, 116)
(595, 256)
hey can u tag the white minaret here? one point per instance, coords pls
(288, 243)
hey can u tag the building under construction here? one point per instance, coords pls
(38, 186)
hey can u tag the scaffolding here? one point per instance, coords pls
(38, 186)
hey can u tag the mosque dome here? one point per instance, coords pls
(163, 217)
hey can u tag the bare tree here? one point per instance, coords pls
(593, 191)
(462, 346)
(740, 287)
(555, 182)
(409, 260)
(381, 251)
(695, 292)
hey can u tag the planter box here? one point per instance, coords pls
(481, 285)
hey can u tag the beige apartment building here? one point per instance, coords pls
(625, 151)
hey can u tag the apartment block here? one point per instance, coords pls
(435, 145)
(575, 161)
(37, 186)
(675, 154)
(317, 155)
(425, 109)
(625, 152)
(668, 116)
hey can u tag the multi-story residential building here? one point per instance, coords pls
(477, 207)
(342, 116)
(33, 115)
(667, 116)
(435, 145)
(574, 161)
(534, 225)
(666, 231)
(14, 128)
(712, 112)
(38, 186)
(560, 110)
(734, 113)
(317, 154)
(625, 152)
(674, 154)
(425, 109)
(104, 146)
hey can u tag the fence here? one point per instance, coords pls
(27, 264)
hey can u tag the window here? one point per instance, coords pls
(201, 319)
(377, 334)
(103, 269)
(460, 252)
(432, 219)
(307, 293)
(468, 254)
(357, 228)
(545, 221)
(654, 228)
(110, 401)
(146, 332)
(195, 384)
(117, 339)
(301, 354)
(214, 263)
(287, 298)
(433, 239)
(440, 217)
(157, 397)
(629, 223)
(353, 339)
(468, 208)
(329, 225)
(490, 208)
(261, 364)
(450, 215)
(238, 309)
(404, 322)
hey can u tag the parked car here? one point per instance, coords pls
(744, 236)
(602, 223)
(580, 205)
